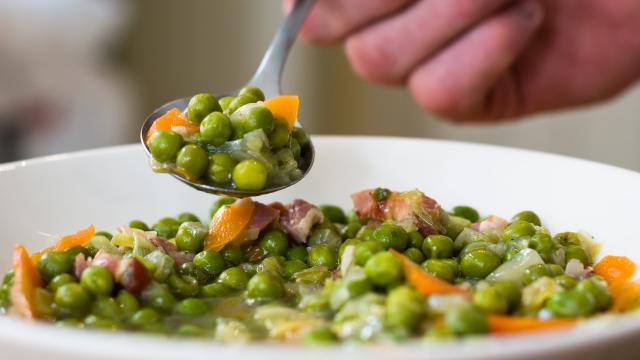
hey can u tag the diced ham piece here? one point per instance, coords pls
(80, 265)
(133, 275)
(298, 217)
(106, 260)
(181, 257)
(262, 217)
(492, 222)
(411, 206)
(129, 272)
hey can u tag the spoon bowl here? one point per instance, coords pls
(268, 78)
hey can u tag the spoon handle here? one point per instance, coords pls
(269, 74)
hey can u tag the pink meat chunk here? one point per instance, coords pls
(298, 218)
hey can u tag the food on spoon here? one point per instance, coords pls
(243, 143)
(399, 267)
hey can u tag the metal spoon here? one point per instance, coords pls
(268, 78)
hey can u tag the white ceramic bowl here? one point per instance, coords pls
(108, 187)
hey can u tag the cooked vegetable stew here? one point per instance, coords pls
(398, 267)
(243, 142)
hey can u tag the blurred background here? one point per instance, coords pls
(78, 74)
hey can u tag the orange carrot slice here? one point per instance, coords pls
(67, 242)
(424, 282)
(499, 324)
(26, 280)
(163, 122)
(228, 224)
(625, 296)
(182, 121)
(284, 107)
(615, 269)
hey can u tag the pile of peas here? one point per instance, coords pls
(190, 299)
(203, 157)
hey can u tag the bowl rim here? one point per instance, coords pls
(55, 339)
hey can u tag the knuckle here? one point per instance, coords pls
(372, 60)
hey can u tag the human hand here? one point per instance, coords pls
(483, 60)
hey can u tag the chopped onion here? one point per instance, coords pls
(513, 269)
(574, 268)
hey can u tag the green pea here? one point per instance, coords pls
(97, 280)
(233, 254)
(279, 138)
(567, 282)
(265, 287)
(444, 269)
(250, 175)
(72, 297)
(518, 229)
(383, 269)
(491, 300)
(466, 321)
(571, 303)
(365, 234)
(137, 224)
(183, 286)
(190, 269)
(145, 317)
(220, 168)
(240, 101)
(191, 307)
(437, 247)
(164, 145)
(334, 213)
(297, 253)
(567, 238)
(166, 227)
(404, 308)
(259, 117)
(365, 250)
(319, 336)
(296, 149)
(106, 307)
(535, 272)
(466, 212)
(254, 91)
(274, 242)
(454, 225)
(190, 236)
(192, 161)
(322, 255)
(214, 290)
(480, 244)
(224, 102)
(300, 136)
(234, 278)
(220, 202)
(528, 216)
(200, 106)
(60, 280)
(216, 128)
(479, 263)
(159, 297)
(509, 290)
(187, 217)
(210, 262)
(577, 252)
(52, 264)
(293, 266)
(415, 239)
(391, 236)
(597, 288)
(127, 302)
(542, 243)
(97, 322)
(414, 255)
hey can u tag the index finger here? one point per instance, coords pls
(331, 20)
